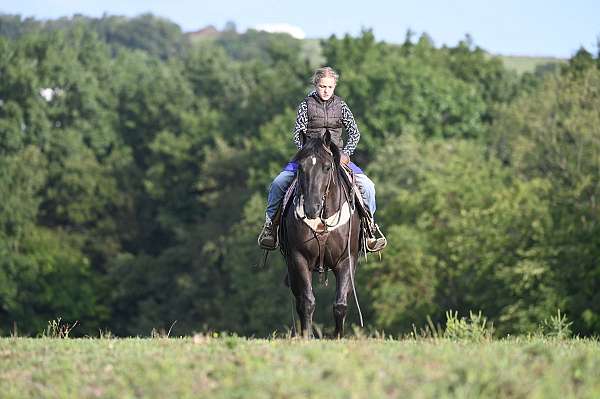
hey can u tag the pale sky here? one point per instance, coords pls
(509, 27)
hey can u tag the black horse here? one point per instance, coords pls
(320, 231)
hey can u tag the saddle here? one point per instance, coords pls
(292, 202)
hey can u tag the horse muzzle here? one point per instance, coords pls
(312, 209)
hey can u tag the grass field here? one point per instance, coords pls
(233, 367)
(522, 64)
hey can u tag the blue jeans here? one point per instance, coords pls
(284, 179)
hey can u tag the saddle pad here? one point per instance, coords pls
(318, 225)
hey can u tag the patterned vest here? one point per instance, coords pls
(325, 116)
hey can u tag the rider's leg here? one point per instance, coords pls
(367, 188)
(277, 191)
(267, 238)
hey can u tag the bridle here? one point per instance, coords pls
(330, 180)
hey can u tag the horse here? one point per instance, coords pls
(320, 231)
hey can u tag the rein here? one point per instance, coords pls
(324, 200)
(351, 265)
(321, 237)
(330, 179)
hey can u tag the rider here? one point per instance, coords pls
(319, 112)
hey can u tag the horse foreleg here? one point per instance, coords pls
(300, 280)
(305, 305)
(340, 306)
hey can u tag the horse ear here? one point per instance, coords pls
(336, 153)
(327, 138)
(303, 139)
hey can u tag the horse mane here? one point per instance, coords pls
(318, 147)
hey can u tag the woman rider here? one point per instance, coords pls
(321, 110)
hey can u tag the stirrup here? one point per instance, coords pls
(376, 241)
(268, 242)
(376, 244)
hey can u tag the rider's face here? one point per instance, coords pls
(325, 87)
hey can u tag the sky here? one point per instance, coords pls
(509, 27)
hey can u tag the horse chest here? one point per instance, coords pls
(322, 226)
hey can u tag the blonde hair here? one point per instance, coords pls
(322, 73)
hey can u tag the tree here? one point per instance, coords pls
(463, 236)
(553, 134)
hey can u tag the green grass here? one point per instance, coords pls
(522, 64)
(232, 367)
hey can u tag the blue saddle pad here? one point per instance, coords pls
(293, 167)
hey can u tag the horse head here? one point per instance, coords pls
(317, 165)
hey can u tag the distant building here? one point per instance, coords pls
(207, 32)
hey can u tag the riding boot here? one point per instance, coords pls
(375, 239)
(267, 239)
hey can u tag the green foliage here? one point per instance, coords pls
(441, 93)
(556, 326)
(253, 45)
(553, 134)
(134, 169)
(43, 272)
(462, 235)
(47, 276)
(157, 36)
(474, 328)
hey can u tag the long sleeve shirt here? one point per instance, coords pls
(347, 120)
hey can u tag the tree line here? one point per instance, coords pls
(134, 164)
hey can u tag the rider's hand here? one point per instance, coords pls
(344, 159)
